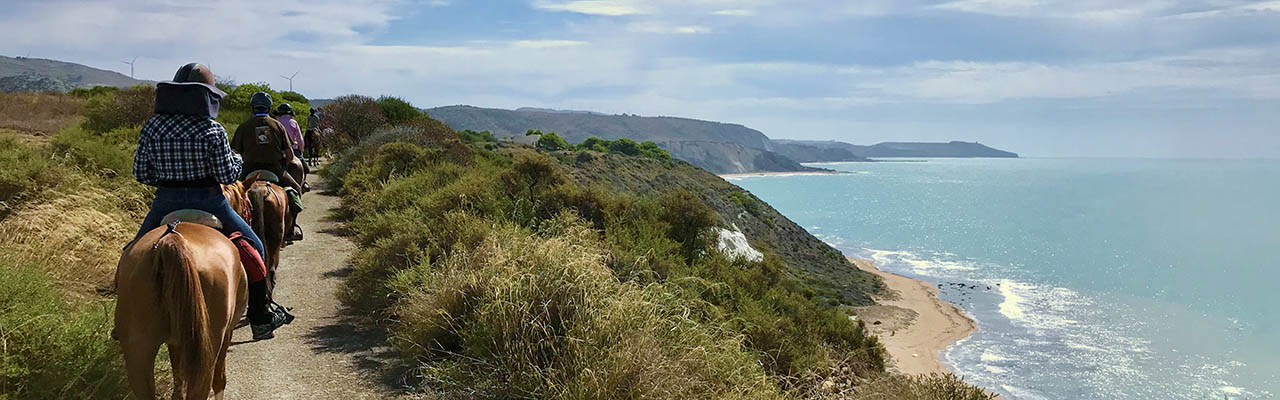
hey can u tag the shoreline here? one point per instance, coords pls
(915, 325)
(779, 173)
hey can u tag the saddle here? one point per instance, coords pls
(192, 216)
(262, 175)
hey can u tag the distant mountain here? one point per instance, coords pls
(808, 152)
(830, 150)
(42, 75)
(714, 146)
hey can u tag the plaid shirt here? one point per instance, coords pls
(184, 148)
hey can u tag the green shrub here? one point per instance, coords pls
(471, 136)
(52, 350)
(127, 107)
(109, 153)
(25, 172)
(295, 98)
(549, 141)
(919, 387)
(626, 147)
(397, 110)
(94, 91)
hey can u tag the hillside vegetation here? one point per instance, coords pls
(713, 146)
(44, 75)
(561, 271)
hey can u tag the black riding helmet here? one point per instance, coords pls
(284, 108)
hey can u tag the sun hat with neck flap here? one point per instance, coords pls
(192, 92)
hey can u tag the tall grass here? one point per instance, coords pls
(39, 113)
(63, 233)
(52, 350)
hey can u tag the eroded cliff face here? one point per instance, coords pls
(730, 158)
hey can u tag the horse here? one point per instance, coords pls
(269, 213)
(182, 285)
(236, 197)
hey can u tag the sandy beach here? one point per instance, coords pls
(790, 173)
(915, 326)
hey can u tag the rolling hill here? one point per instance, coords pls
(18, 74)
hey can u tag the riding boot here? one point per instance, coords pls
(259, 303)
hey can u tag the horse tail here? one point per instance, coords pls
(183, 300)
(256, 208)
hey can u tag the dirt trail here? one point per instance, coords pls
(322, 354)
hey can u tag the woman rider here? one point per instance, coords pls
(184, 153)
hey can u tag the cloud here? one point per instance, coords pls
(658, 27)
(737, 12)
(594, 7)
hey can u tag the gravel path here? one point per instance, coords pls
(322, 354)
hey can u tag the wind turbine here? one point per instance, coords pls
(135, 59)
(290, 79)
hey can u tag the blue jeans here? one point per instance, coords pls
(209, 200)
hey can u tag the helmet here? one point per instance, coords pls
(260, 100)
(284, 108)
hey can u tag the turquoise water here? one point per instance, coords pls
(1092, 278)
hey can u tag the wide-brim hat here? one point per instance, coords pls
(195, 74)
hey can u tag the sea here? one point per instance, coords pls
(1089, 278)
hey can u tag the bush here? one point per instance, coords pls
(25, 172)
(94, 91)
(128, 107)
(919, 387)
(108, 153)
(545, 318)
(397, 110)
(52, 350)
(353, 119)
(294, 97)
(549, 141)
(471, 136)
(422, 132)
(626, 147)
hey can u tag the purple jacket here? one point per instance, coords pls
(292, 129)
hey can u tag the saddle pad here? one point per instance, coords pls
(262, 175)
(193, 216)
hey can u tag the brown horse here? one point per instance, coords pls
(180, 285)
(269, 211)
(235, 194)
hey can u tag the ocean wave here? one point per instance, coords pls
(919, 265)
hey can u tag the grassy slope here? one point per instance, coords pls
(819, 265)
(502, 272)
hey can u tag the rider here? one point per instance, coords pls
(264, 145)
(311, 139)
(284, 114)
(183, 152)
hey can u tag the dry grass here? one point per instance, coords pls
(40, 114)
(544, 317)
(78, 236)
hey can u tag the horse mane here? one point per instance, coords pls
(183, 300)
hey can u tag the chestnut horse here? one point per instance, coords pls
(181, 285)
(269, 211)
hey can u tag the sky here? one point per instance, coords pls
(1053, 78)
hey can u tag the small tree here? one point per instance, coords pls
(530, 172)
(624, 146)
(549, 141)
(353, 118)
(690, 219)
(397, 110)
